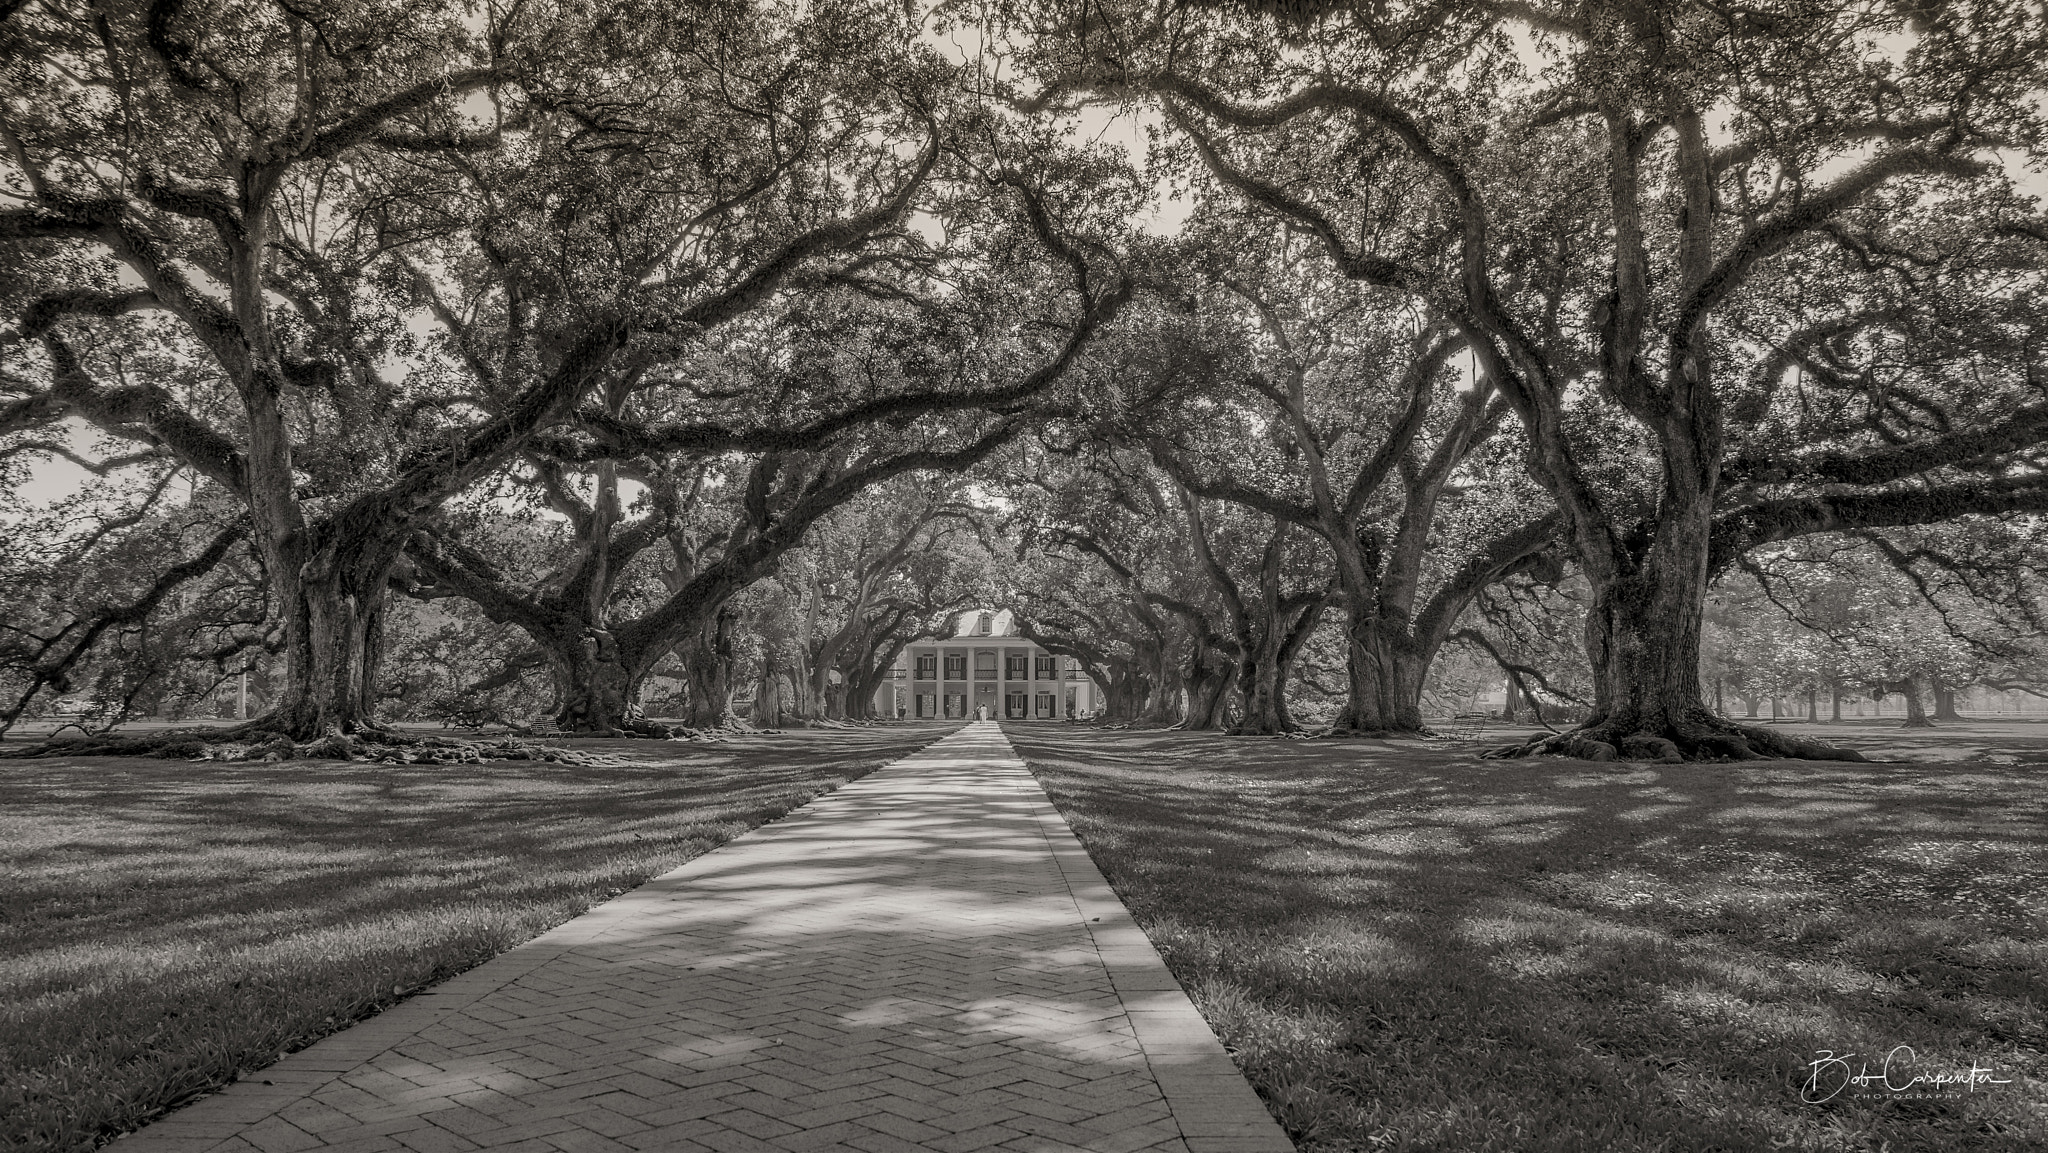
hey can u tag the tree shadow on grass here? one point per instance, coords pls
(168, 924)
(1410, 948)
(914, 942)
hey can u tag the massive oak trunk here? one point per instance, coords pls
(1260, 687)
(772, 699)
(333, 644)
(1161, 685)
(1126, 694)
(1385, 675)
(595, 684)
(707, 669)
(1643, 635)
(859, 699)
(1643, 639)
(1945, 703)
(1916, 710)
(1208, 689)
(331, 596)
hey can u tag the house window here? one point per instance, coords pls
(927, 666)
(927, 705)
(956, 705)
(1045, 704)
(982, 624)
(1048, 668)
(956, 666)
(1017, 667)
(984, 666)
(1015, 706)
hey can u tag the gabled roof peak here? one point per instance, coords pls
(985, 623)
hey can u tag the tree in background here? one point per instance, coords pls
(1118, 584)
(126, 602)
(918, 363)
(1340, 415)
(894, 566)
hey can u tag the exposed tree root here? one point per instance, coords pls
(1700, 736)
(637, 728)
(1314, 734)
(626, 727)
(1352, 732)
(741, 727)
(251, 743)
(1257, 730)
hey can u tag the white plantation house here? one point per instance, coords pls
(986, 665)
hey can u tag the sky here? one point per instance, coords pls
(54, 479)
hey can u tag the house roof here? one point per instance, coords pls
(1001, 623)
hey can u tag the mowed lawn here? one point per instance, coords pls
(1409, 948)
(166, 926)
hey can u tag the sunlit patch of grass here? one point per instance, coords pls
(1408, 950)
(167, 927)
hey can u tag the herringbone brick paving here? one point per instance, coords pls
(925, 959)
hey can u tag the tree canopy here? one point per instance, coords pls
(637, 342)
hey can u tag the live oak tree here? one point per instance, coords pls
(899, 564)
(1077, 608)
(270, 187)
(1920, 613)
(126, 600)
(1339, 413)
(1272, 604)
(1644, 219)
(1262, 584)
(917, 357)
(1110, 576)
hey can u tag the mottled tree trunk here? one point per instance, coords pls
(1385, 679)
(1208, 699)
(1916, 711)
(1162, 699)
(593, 685)
(772, 699)
(1945, 703)
(333, 639)
(1259, 686)
(1643, 640)
(707, 669)
(860, 700)
(1125, 696)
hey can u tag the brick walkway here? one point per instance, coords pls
(923, 960)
